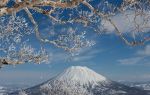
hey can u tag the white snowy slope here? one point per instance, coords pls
(1, 87)
(74, 81)
(144, 85)
(2, 90)
(82, 75)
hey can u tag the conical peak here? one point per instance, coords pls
(82, 75)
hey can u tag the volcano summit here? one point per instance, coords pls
(78, 80)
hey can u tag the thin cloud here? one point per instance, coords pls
(125, 22)
(139, 77)
(145, 52)
(87, 55)
(26, 77)
(83, 55)
(130, 61)
(141, 57)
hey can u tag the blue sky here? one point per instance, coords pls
(109, 57)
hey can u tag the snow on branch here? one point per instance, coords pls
(13, 48)
(100, 18)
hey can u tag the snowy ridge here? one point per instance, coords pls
(2, 90)
(82, 75)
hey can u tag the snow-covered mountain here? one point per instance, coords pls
(145, 86)
(5, 89)
(78, 80)
(81, 75)
(141, 85)
(2, 90)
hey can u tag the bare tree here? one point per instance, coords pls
(136, 12)
(64, 88)
(22, 93)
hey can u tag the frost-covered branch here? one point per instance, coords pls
(14, 49)
(103, 17)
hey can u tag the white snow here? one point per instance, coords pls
(2, 90)
(74, 80)
(82, 75)
(1, 87)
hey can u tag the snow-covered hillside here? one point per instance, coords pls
(78, 80)
(3, 90)
(82, 75)
(141, 85)
(9, 88)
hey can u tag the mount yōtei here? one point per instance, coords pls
(78, 80)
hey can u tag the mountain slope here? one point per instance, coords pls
(79, 80)
(82, 75)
